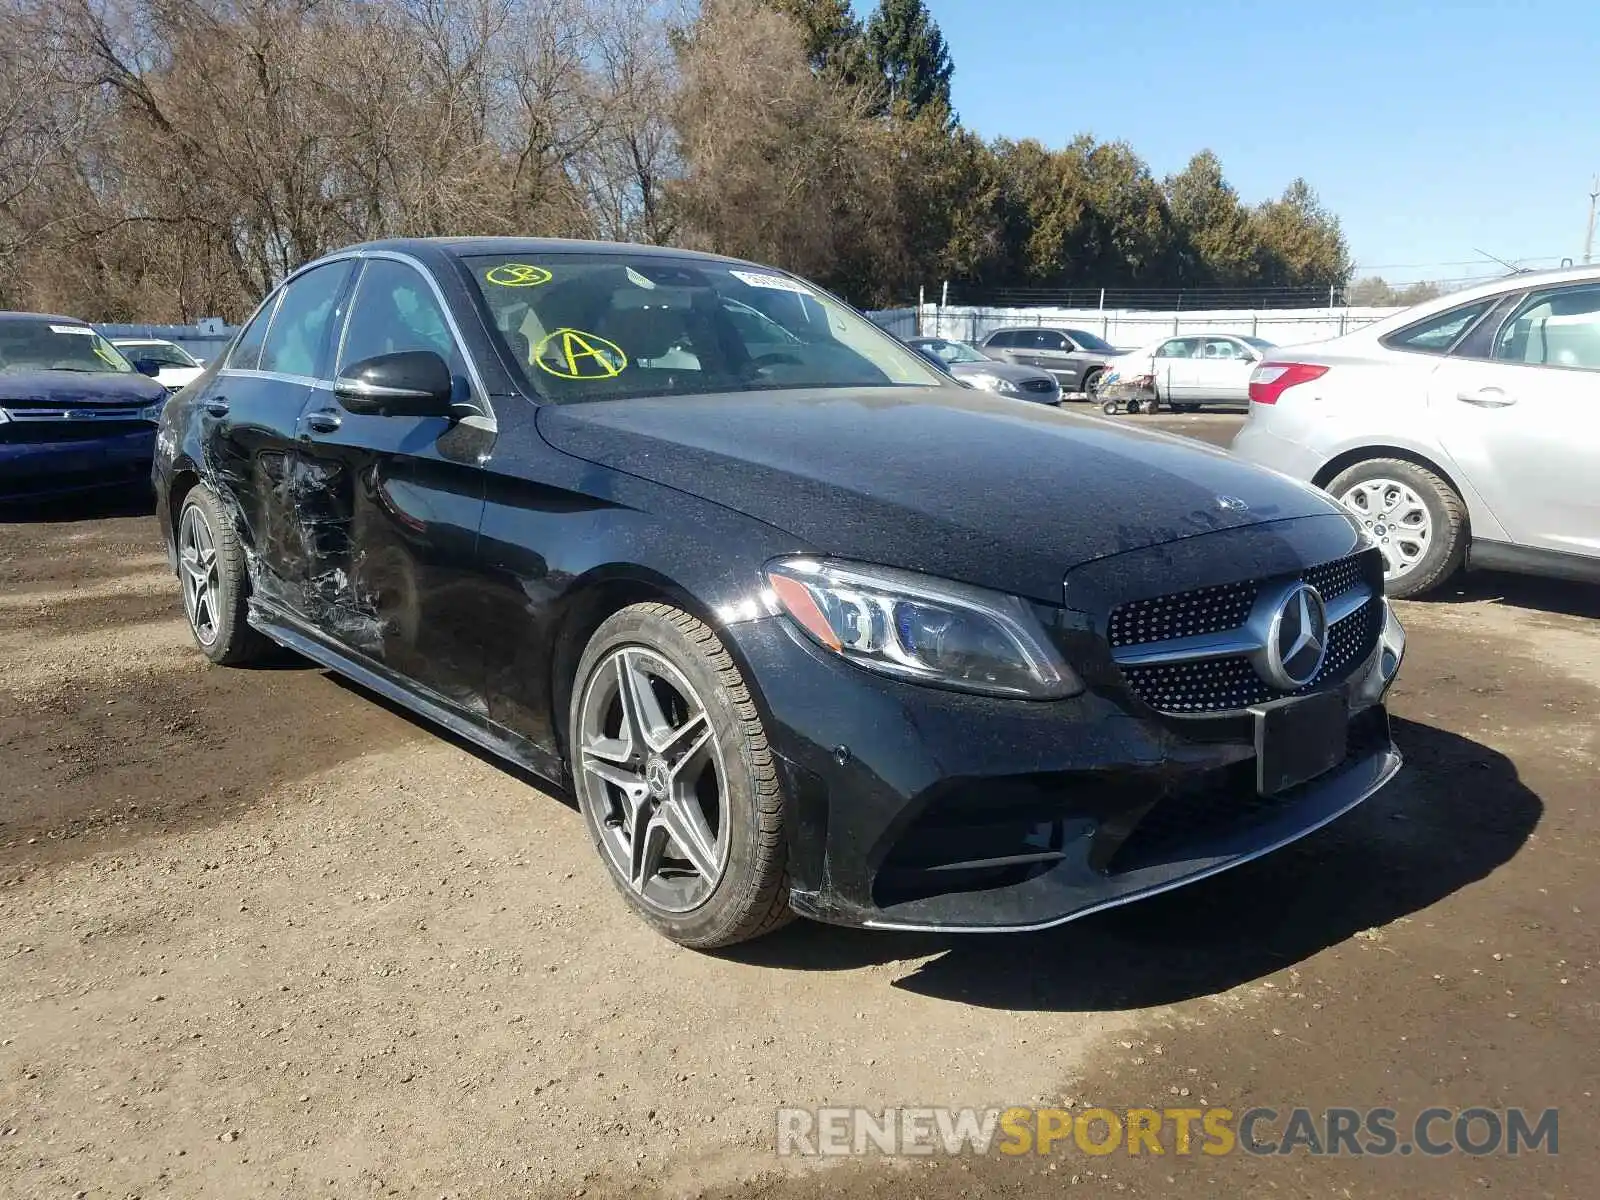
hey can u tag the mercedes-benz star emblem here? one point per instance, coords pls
(1297, 640)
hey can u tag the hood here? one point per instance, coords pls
(952, 482)
(1013, 372)
(75, 388)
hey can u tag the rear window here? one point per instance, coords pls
(1438, 333)
(1088, 341)
(610, 326)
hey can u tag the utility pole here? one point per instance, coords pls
(1588, 238)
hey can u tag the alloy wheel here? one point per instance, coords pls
(651, 778)
(197, 565)
(1397, 519)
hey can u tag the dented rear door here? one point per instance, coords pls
(391, 504)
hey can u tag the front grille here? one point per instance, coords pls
(1207, 610)
(1038, 385)
(32, 433)
(1230, 682)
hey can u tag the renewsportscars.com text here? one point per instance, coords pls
(1210, 1130)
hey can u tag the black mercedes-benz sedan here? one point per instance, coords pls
(803, 624)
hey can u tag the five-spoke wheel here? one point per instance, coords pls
(675, 779)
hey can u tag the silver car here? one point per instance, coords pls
(1465, 430)
(981, 371)
(1076, 357)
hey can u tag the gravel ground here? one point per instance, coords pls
(263, 935)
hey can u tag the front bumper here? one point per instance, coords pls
(38, 469)
(920, 809)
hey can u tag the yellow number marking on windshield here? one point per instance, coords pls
(518, 275)
(573, 354)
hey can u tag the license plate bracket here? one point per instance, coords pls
(1298, 739)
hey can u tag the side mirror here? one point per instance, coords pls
(413, 383)
(147, 366)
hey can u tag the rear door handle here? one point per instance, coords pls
(1489, 397)
(217, 406)
(322, 421)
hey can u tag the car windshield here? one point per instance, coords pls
(57, 346)
(166, 354)
(610, 326)
(954, 352)
(1259, 343)
(1088, 341)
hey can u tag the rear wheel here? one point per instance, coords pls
(677, 785)
(1417, 519)
(1109, 408)
(216, 582)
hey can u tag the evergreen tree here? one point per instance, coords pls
(904, 45)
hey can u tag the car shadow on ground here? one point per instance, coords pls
(559, 793)
(1520, 591)
(1452, 817)
(125, 501)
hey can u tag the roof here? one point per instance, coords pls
(531, 245)
(35, 316)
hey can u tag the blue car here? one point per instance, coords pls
(75, 415)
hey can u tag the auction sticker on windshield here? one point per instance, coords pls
(776, 283)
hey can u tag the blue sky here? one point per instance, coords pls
(1430, 129)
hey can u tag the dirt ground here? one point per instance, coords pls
(262, 935)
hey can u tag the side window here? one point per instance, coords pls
(1436, 334)
(1002, 340)
(246, 353)
(1559, 328)
(1176, 348)
(297, 343)
(1048, 339)
(395, 310)
(1221, 348)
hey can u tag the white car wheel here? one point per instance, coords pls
(1417, 520)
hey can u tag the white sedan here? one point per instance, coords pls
(1464, 431)
(168, 363)
(1190, 371)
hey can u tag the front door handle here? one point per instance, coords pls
(217, 406)
(1489, 397)
(322, 421)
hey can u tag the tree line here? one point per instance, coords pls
(163, 160)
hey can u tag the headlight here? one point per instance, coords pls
(923, 629)
(993, 383)
(152, 411)
(4, 416)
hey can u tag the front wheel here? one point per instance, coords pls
(676, 781)
(1091, 385)
(1417, 519)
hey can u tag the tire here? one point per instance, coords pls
(217, 572)
(1361, 489)
(1135, 405)
(1109, 408)
(665, 650)
(1091, 383)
